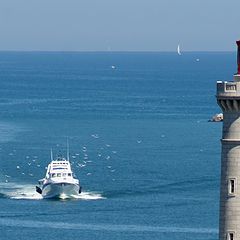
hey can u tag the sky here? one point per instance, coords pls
(119, 25)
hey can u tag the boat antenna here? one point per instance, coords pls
(67, 150)
(51, 154)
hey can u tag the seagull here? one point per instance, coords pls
(95, 135)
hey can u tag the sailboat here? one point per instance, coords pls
(178, 50)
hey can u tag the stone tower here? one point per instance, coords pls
(228, 98)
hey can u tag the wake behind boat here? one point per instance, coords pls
(59, 181)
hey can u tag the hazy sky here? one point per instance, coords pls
(119, 25)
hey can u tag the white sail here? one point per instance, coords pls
(178, 50)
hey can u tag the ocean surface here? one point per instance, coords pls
(140, 143)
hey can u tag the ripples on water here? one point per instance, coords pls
(140, 143)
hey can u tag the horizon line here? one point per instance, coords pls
(117, 51)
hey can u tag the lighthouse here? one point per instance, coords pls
(228, 98)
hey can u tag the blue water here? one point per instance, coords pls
(152, 159)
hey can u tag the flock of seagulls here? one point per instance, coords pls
(81, 160)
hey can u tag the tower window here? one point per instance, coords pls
(231, 188)
(230, 236)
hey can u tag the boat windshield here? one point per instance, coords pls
(53, 175)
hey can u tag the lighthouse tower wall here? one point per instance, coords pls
(228, 98)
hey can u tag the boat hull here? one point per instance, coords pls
(60, 190)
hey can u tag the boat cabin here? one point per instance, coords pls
(59, 169)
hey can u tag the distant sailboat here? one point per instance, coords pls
(178, 50)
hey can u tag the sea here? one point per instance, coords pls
(140, 143)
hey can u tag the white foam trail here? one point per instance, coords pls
(89, 196)
(19, 191)
(27, 191)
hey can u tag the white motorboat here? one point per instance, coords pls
(59, 181)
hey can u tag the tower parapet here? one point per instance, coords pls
(228, 98)
(238, 57)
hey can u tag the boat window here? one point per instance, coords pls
(54, 175)
(69, 174)
(232, 186)
(230, 236)
(58, 174)
(64, 174)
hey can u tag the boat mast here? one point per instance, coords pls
(67, 150)
(51, 155)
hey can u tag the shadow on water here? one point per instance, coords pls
(2, 195)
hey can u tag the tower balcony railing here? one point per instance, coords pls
(228, 89)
